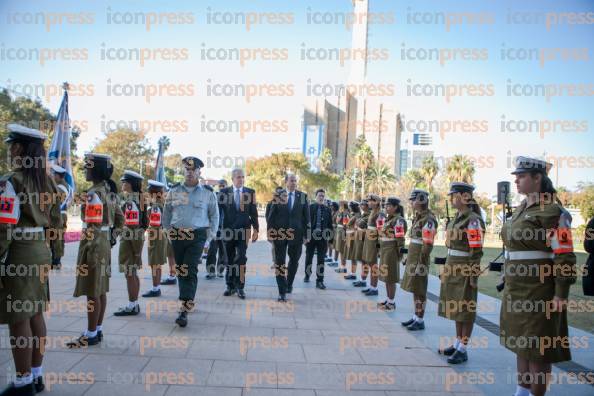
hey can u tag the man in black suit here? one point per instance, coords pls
(321, 225)
(289, 221)
(215, 266)
(241, 216)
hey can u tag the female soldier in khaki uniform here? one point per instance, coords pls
(57, 244)
(391, 240)
(350, 237)
(132, 239)
(339, 237)
(157, 238)
(25, 255)
(361, 227)
(332, 252)
(370, 246)
(457, 296)
(101, 216)
(422, 234)
(539, 269)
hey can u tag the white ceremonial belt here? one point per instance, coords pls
(102, 228)
(372, 228)
(28, 229)
(63, 212)
(529, 255)
(416, 241)
(339, 226)
(458, 253)
(350, 231)
(385, 239)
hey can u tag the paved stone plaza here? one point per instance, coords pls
(325, 343)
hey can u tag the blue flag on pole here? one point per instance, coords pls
(160, 165)
(59, 152)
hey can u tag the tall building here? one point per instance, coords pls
(417, 147)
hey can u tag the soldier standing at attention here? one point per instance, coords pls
(370, 246)
(57, 244)
(100, 213)
(132, 239)
(539, 246)
(351, 230)
(422, 233)
(342, 218)
(24, 293)
(361, 227)
(391, 240)
(157, 239)
(191, 217)
(458, 293)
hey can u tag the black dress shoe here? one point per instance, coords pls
(341, 270)
(282, 298)
(241, 294)
(168, 281)
(38, 384)
(408, 322)
(306, 279)
(127, 311)
(152, 293)
(220, 275)
(182, 319)
(449, 351)
(372, 293)
(350, 277)
(82, 342)
(458, 357)
(388, 307)
(416, 326)
(229, 292)
(100, 335)
(289, 289)
(360, 283)
(320, 285)
(27, 390)
(365, 290)
(210, 276)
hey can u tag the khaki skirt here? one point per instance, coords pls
(350, 245)
(416, 271)
(389, 268)
(23, 279)
(370, 249)
(523, 329)
(93, 265)
(457, 298)
(130, 253)
(359, 242)
(157, 246)
(339, 239)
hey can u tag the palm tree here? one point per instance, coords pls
(381, 179)
(429, 170)
(364, 159)
(460, 169)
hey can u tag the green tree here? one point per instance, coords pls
(429, 170)
(325, 160)
(381, 179)
(584, 200)
(460, 169)
(364, 159)
(129, 150)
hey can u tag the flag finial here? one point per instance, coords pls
(65, 86)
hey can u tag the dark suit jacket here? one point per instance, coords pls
(297, 220)
(326, 222)
(247, 215)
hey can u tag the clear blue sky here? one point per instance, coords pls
(391, 36)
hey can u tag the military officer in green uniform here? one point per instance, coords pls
(157, 239)
(29, 206)
(422, 234)
(132, 239)
(391, 237)
(361, 226)
(102, 222)
(191, 218)
(539, 270)
(57, 244)
(370, 245)
(459, 275)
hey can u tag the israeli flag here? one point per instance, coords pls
(59, 153)
(160, 165)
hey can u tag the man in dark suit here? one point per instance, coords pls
(289, 220)
(215, 266)
(321, 225)
(241, 216)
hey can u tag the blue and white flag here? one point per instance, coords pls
(160, 165)
(59, 153)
